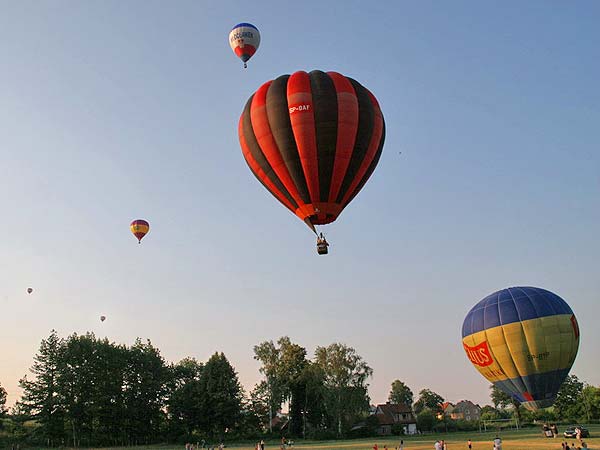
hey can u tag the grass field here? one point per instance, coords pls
(511, 440)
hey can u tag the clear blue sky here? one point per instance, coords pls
(112, 111)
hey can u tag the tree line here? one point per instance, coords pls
(85, 391)
(576, 402)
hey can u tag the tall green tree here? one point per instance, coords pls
(3, 395)
(90, 388)
(221, 394)
(259, 403)
(428, 400)
(345, 376)
(185, 398)
(75, 387)
(283, 365)
(568, 400)
(145, 384)
(292, 362)
(40, 397)
(400, 393)
(256, 410)
(501, 399)
(590, 399)
(426, 420)
(268, 355)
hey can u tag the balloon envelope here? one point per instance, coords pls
(313, 140)
(102, 318)
(524, 340)
(29, 290)
(139, 228)
(244, 40)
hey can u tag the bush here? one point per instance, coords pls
(426, 420)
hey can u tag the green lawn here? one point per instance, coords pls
(530, 438)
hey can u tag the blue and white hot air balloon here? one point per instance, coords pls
(244, 40)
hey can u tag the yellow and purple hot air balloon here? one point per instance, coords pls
(524, 340)
(139, 228)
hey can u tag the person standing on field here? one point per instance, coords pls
(497, 443)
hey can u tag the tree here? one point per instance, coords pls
(590, 397)
(568, 400)
(492, 413)
(500, 399)
(503, 400)
(144, 392)
(429, 400)
(400, 393)
(3, 396)
(292, 362)
(426, 420)
(221, 394)
(40, 397)
(345, 376)
(314, 415)
(268, 355)
(185, 398)
(258, 405)
(283, 366)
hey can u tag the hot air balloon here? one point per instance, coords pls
(102, 318)
(313, 140)
(29, 290)
(139, 228)
(524, 340)
(244, 40)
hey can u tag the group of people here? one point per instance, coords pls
(198, 446)
(565, 446)
(440, 445)
(400, 446)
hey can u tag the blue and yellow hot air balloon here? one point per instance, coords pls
(524, 340)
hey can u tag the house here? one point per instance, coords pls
(463, 410)
(447, 408)
(392, 415)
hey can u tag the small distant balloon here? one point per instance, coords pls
(29, 290)
(139, 228)
(102, 318)
(244, 40)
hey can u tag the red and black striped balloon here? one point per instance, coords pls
(313, 140)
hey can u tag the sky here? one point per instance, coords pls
(489, 178)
